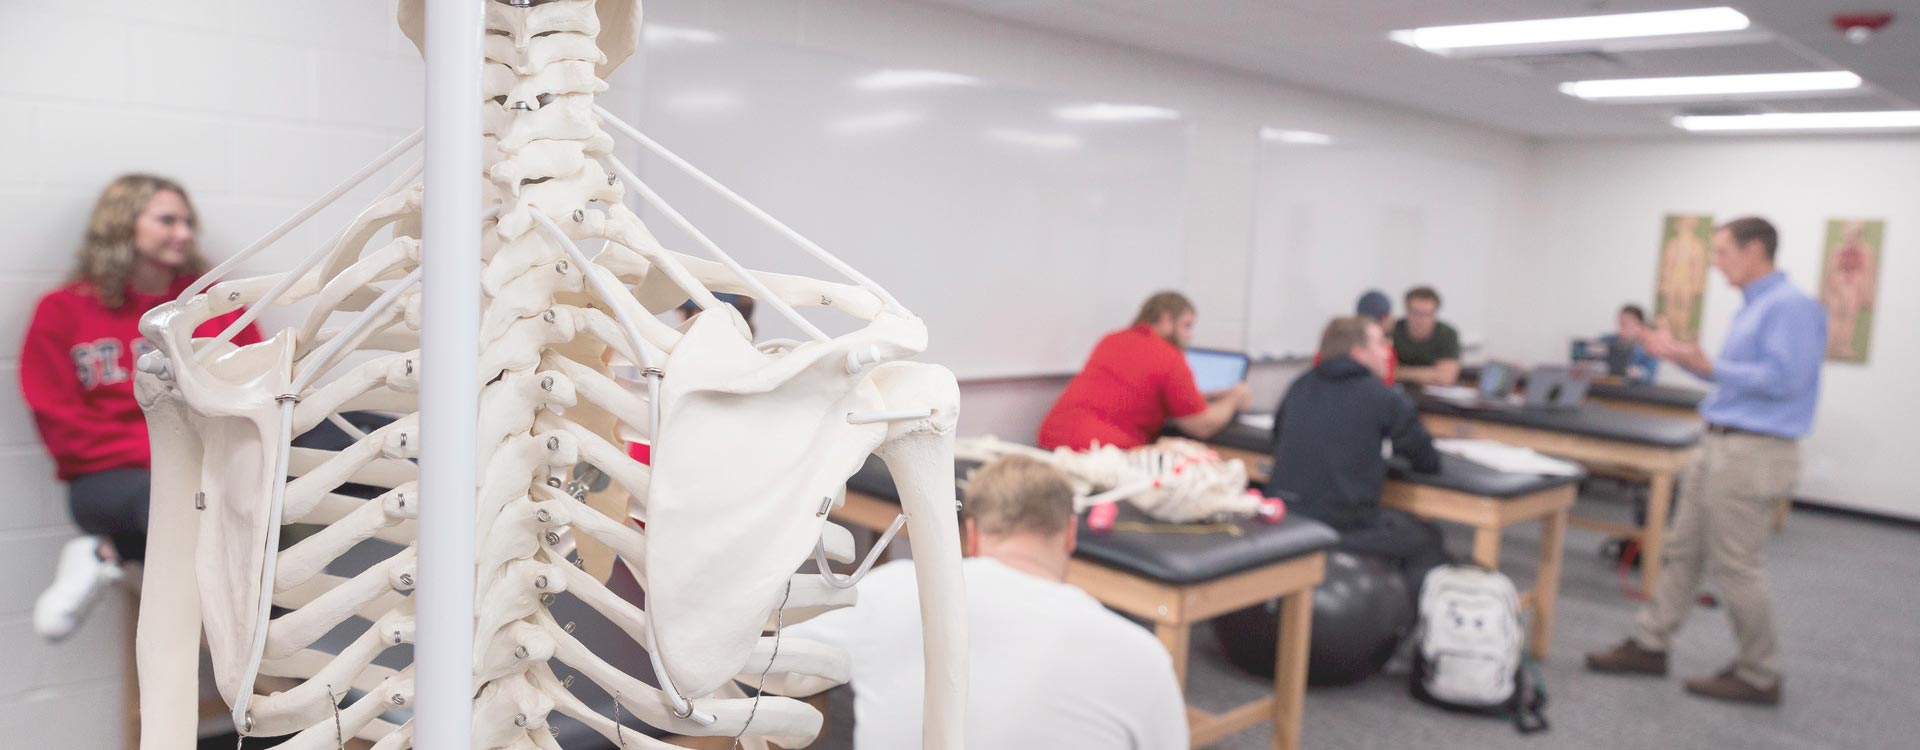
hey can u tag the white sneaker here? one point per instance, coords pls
(76, 585)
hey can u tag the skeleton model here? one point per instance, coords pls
(1174, 480)
(750, 448)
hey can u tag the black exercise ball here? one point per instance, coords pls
(1360, 613)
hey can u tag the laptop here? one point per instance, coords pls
(1216, 370)
(1557, 388)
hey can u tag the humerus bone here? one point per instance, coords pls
(750, 446)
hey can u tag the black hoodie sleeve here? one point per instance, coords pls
(1411, 439)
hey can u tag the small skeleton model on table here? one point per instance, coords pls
(751, 447)
(1174, 480)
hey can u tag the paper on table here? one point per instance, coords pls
(1261, 421)
(1512, 459)
(1454, 393)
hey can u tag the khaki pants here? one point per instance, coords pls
(1726, 510)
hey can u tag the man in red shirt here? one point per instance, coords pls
(1135, 382)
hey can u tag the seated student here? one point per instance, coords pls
(1326, 450)
(1428, 350)
(1135, 382)
(77, 360)
(1049, 667)
(1626, 358)
(1374, 305)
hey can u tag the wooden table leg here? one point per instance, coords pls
(1290, 668)
(1653, 537)
(1177, 638)
(130, 685)
(1780, 511)
(1546, 582)
(1486, 546)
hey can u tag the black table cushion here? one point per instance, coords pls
(1455, 473)
(1167, 557)
(1655, 395)
(1461, 475)
(1589, 420)
(1175, 557)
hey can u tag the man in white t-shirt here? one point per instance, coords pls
(1050, 667)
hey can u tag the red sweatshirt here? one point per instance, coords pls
(76, 369)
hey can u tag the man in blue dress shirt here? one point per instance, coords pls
(1766, 382)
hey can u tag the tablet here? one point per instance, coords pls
(1215, 370)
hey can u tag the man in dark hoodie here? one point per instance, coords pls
(1327, 456)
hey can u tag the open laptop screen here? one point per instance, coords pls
(1215, 370)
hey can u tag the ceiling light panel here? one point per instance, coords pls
(1579, 32)
(1713, 87)
(1779, 121)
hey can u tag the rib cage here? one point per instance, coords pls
(222, 418)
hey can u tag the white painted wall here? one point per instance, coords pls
(1598, 206)
(1223, 110)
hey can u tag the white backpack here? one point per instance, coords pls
(1469, 653)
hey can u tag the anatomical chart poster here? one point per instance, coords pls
(1849, 283)
(1682, 286)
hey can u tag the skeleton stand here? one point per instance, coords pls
(449, 395)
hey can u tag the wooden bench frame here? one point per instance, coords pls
(1489, 517)
(1658, 465)
(1175, 608)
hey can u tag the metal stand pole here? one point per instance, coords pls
(449, 392)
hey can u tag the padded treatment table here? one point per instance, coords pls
(1604, 439)
(1465, 493)
(1178, 580)
(1658, 400)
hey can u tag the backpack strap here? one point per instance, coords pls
(1529, 716)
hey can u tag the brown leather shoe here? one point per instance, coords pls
(1727, 687)
(1628, 658)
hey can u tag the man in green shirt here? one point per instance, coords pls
(1429, 350)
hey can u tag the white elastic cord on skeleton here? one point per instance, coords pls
(345, 426)
(199, 285)
(282, 456)
(286, 282)
(760, 290)
(269, 556)
(873, 555)
(606, 287)
(808, 245)
(820, 545)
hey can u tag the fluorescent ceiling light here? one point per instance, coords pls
(1693, 87)
(1295, 137)
(1115, 113)
(658, 35)
(702, 101)
(1442, 39)
(889, 80)
(874, 123)
(1030, 139)
(1900, 119)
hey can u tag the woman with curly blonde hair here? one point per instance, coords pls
(76, 371)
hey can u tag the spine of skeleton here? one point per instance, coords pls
(542, 162)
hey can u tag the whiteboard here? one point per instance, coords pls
(1017, 236)
(1331, 222)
